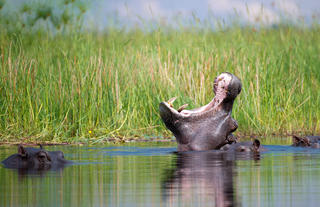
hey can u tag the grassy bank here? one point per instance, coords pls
(81, 87)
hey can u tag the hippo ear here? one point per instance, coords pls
(256, 144)
(22, 151)
(296, 139)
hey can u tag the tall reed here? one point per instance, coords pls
(87, 86)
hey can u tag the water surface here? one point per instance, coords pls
(153, 175)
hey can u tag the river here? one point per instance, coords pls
(153, 174)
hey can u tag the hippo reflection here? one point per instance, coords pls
(207, 127)
(307, 141)
(203, 176)
(35, 159)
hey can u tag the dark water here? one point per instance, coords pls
(151, 175)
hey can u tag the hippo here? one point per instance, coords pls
(307, 141)
(35, 159)
(250, 146)
(210, 126)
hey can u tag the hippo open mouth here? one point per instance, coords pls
(207, 127)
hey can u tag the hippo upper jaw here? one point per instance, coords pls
(206, 127)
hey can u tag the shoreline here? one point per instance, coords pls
(273, 138)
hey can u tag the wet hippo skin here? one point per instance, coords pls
(35, 159)
(210, 126)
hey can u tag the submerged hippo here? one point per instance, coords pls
(307, 141)
(210, 126)
(249, 146)
(35, 159)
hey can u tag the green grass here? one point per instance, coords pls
(86, 86)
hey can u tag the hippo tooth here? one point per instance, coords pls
(171, 100)
(182, 107)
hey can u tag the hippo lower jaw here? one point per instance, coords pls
(209, 126)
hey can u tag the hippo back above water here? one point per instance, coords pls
(35, 159)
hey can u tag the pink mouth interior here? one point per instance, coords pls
(220, 89)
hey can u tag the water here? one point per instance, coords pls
(152, 175)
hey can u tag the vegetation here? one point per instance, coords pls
(78, 86)
(40, 15)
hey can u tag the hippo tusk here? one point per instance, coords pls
(171, 100)
(182, 107)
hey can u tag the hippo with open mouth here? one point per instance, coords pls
(210, 126)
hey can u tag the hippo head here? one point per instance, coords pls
(249, 146)
(207, 127)
(307, 141)
(301, 141)
(35, 159)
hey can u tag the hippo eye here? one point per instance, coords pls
(42, 156)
